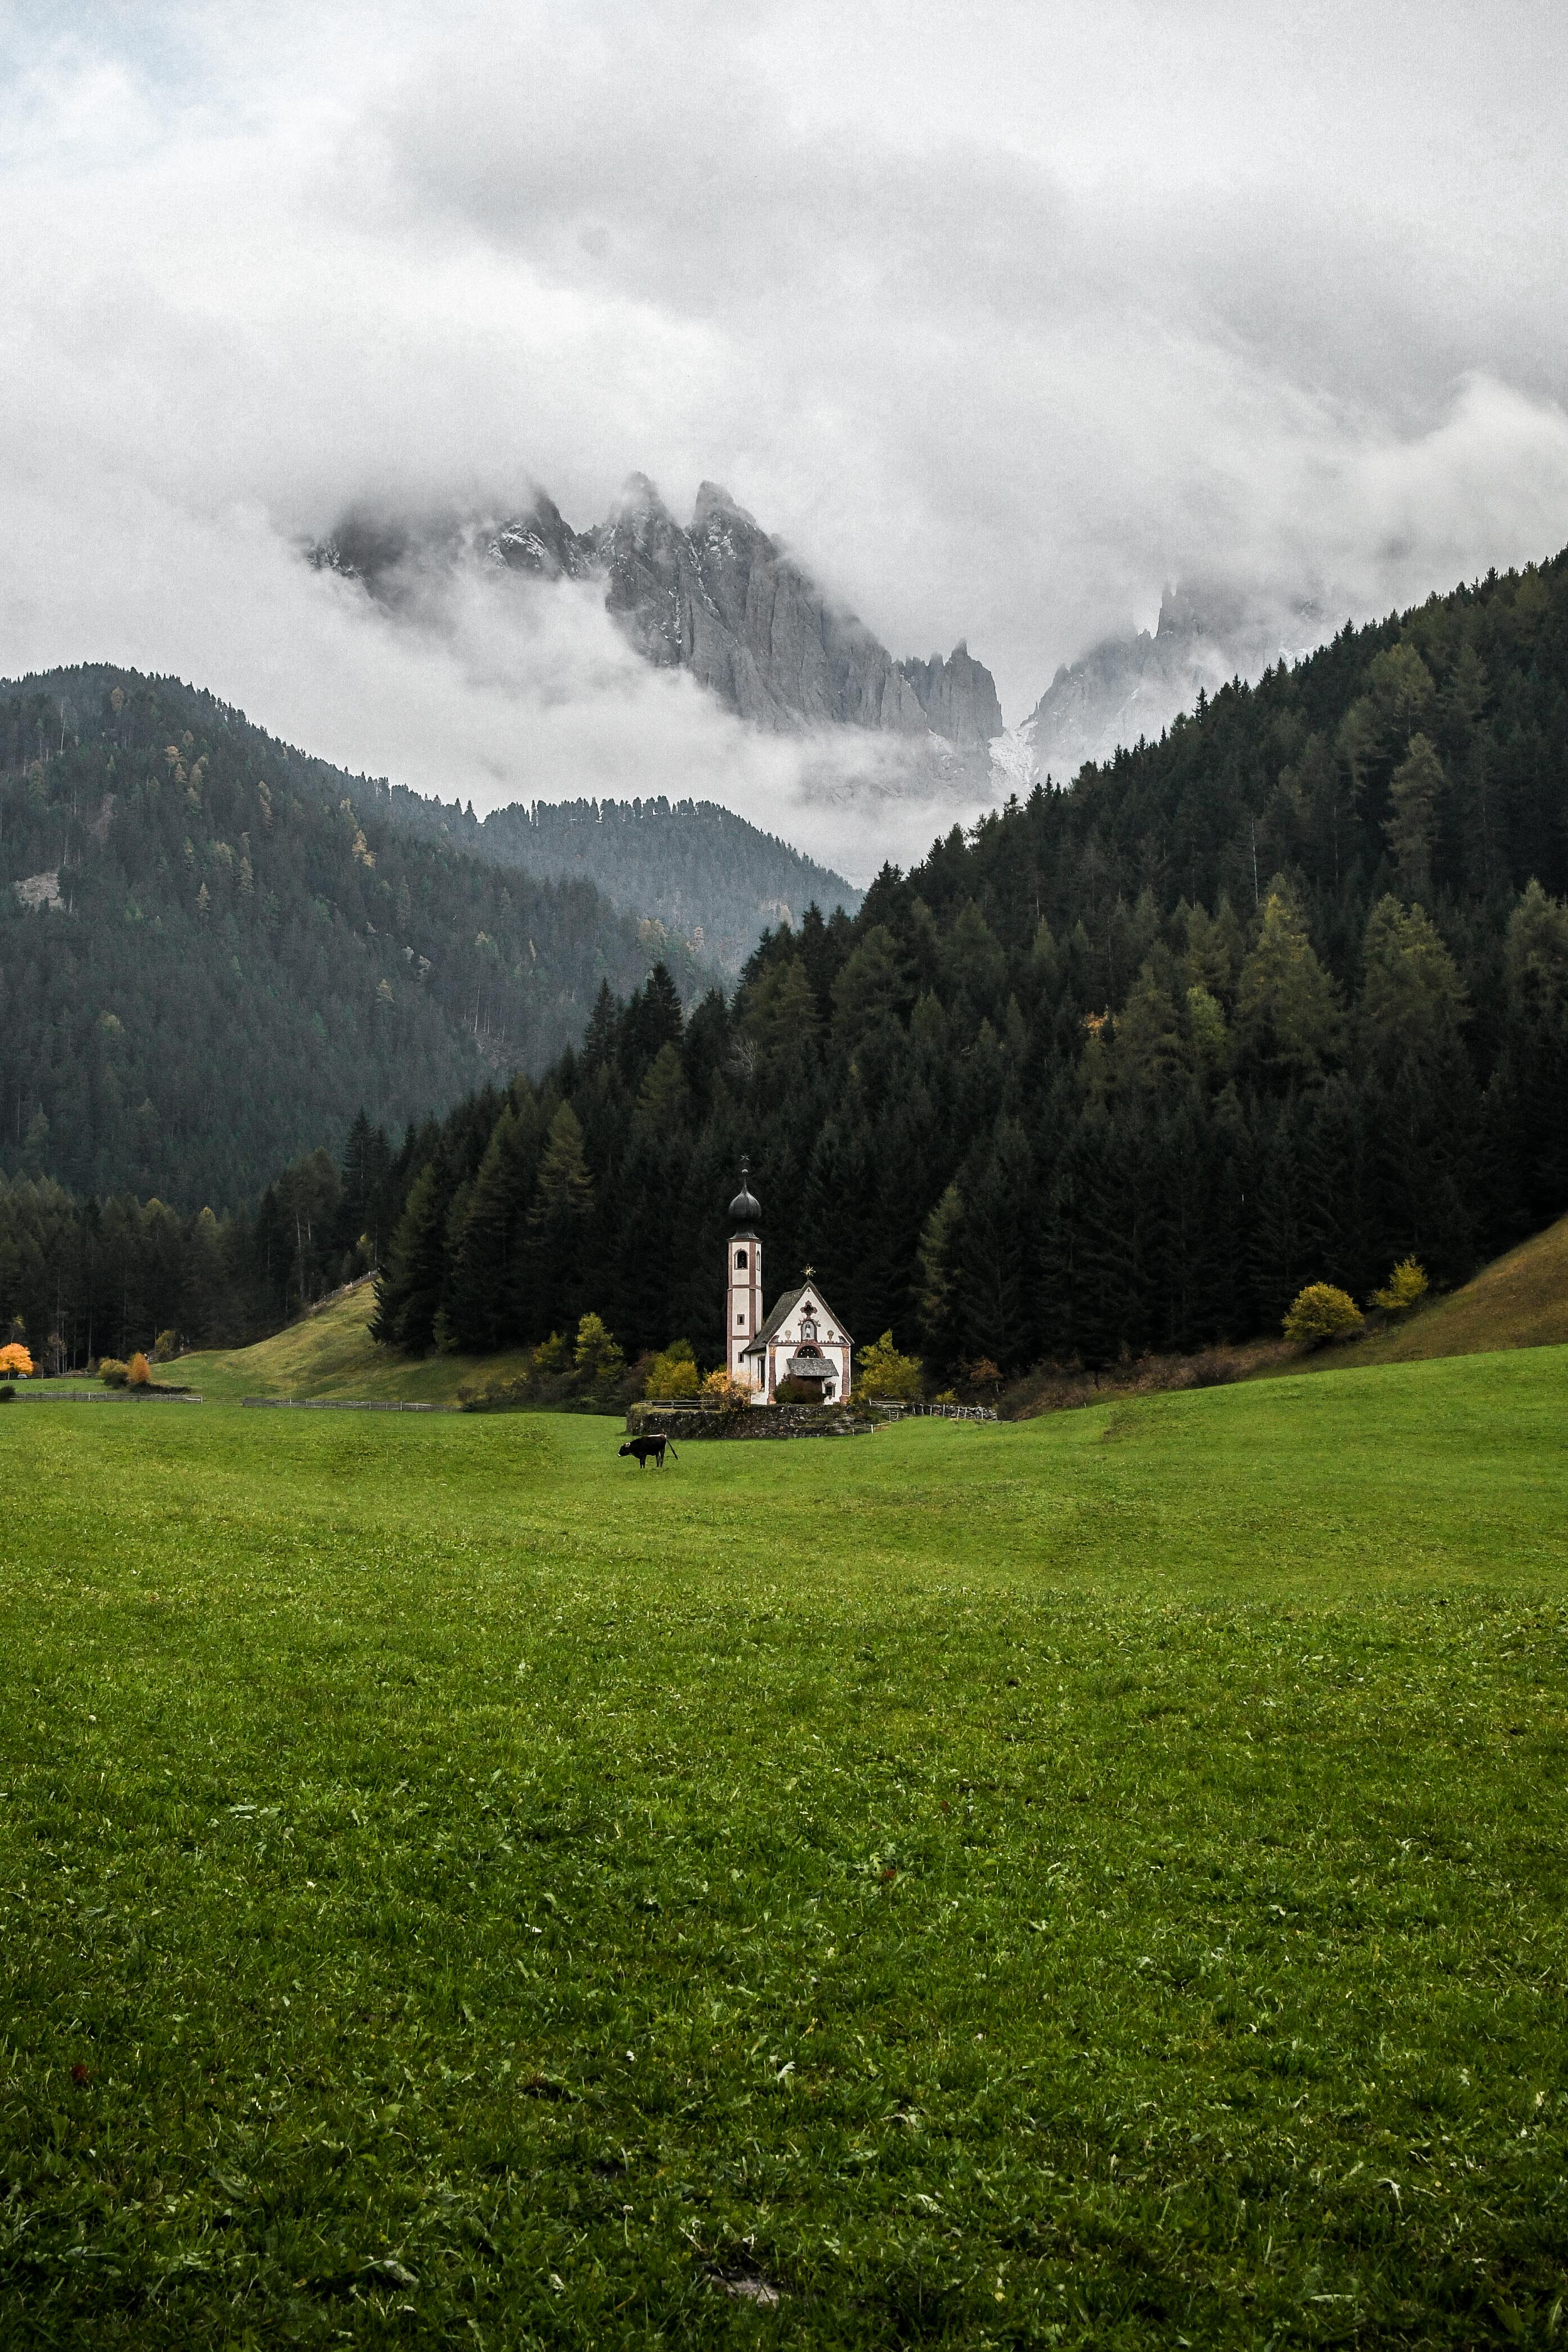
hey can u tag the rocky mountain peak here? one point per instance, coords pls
(540, 540)
(638, 497)
(1134, 685)
(958, 697)
(720, 598)
(712, 500)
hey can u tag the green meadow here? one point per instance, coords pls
(1097, 1881)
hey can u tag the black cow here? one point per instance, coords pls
(646, 1448)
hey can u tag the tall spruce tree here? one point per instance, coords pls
(408, 1292)
(557, 1225)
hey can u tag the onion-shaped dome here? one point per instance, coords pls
(745, 1208)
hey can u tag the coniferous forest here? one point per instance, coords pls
(83, 1278)
(213, 947)
(700, 870)
(1282, 997)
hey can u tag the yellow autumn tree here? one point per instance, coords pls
(139, 1372)
(597, 1360)
(672, 1373)
(881, 1372)
(15, 1363)
(1405, 1287)
(1323, 1311)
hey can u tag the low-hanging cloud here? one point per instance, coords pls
(1004, 320)
(477, 688)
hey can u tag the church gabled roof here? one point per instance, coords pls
(786, 1308)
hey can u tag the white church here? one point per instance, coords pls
(802, 1339)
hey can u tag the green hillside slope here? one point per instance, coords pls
(330, 1353)
(211, 954)
(1520, 1300)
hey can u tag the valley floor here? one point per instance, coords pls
(1097, 1881)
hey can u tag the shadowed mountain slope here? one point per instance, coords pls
(709, 878)
(213, 950)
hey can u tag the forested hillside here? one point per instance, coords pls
(1283, 996)
(87, 1278)
(212, 952)
(710, 878)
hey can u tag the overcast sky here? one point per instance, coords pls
(1003, 315)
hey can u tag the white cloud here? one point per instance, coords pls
(1005, 316)
(491, 691)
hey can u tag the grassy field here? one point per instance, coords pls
(1093, 1882)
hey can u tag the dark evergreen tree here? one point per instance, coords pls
(408, 1292)
(557, 1227)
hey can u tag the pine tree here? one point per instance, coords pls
(664, 1096)
(939, 1277)
(1415, 795)
(557, 1224)
(1526, 1112)
(1413, 1003)
(1149, 1047)
(483, 1306)
(995, 1269)
(634, 1275)
(874, 987)
(1288, 1020)
(367, 1162)
(653, 1018)
(1281, 1220)
(408, 1292)
(779, 1016)
(604, 1027)
(209, 1311)
(1101, 1234)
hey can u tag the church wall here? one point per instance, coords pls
(746, 1314)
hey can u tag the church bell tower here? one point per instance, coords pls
(744, 1291)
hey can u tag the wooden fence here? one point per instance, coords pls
(106, 1396)
(344, 1404)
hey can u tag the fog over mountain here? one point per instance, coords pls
(1000, 321)
(1130, 687)
(720, 599)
